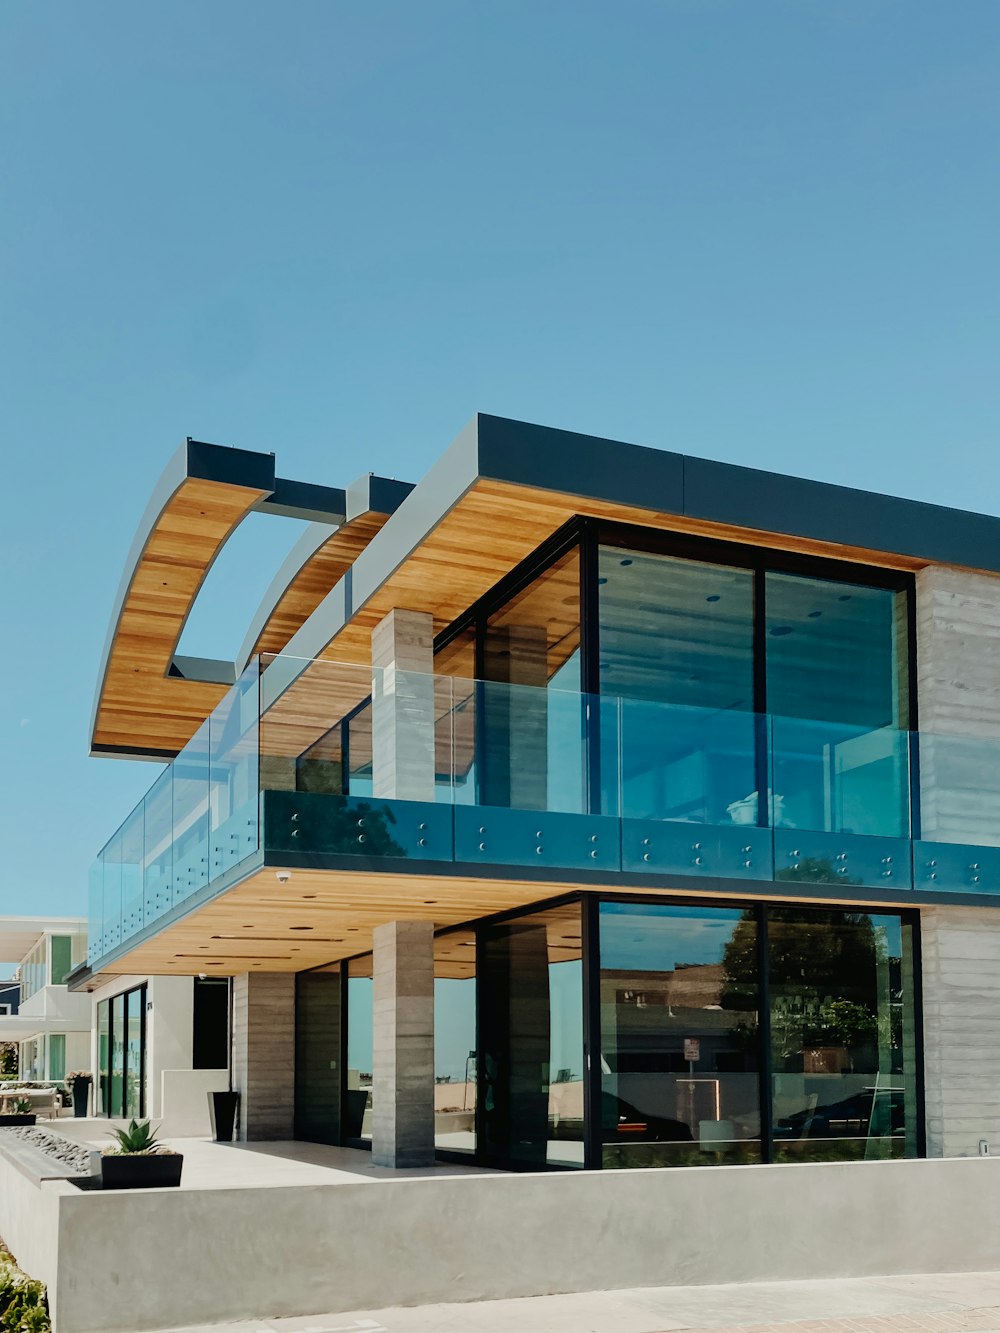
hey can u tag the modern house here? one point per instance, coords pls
(10, 994)
(50, 1024)
(584, 805)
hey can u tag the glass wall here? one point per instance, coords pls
(121, 1053)
(455, 1041)
(531, 1082)
(679, 1035)
(57, 1056)
(842, 1041)
(104, 1058)
(532, 722)
(62, 958)
(357, 1108)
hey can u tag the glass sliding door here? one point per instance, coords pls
(532, 736)
(677, 645)
(455, 1041)
(679, 1053)
(103, 1058)
(117, 1055)
(135, 1092)
(357, 1105)
(837, 692)
(531, 1083)
(843, 1050)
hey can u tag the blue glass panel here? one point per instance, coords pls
(111, 911)
(960, 789)
(845, 779)
(95, 909)
(528, 837)
(666, 847)
(696, 765)
(326, 825)
(841, 858)
(158, 858)
(233, 774)
(191, 816)
(131, 877)
(956, 867)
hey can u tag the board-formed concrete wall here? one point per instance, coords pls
(247, 1253)
(264, 1054)
(960, 949)
(958, 698)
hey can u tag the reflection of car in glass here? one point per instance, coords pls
(621, 1122)
(848, 1118)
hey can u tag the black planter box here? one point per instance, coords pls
(81, 1098)
(17, 1118)
(222, 1113)
(138, 1171)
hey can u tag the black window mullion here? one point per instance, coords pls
(592, 1087)
(764, 1036)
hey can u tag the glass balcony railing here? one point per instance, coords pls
(309, 762)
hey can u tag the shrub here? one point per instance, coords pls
(23, 1305)
(138, 1138)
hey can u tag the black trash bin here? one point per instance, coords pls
(222, 1112)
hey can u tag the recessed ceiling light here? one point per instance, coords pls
(815, 615)
(779, 631)
(844, 597)
(625, 562)
(715, 597)
(300, 927)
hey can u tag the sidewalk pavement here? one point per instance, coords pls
(924, 1303)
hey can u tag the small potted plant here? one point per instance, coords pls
(78, 1081)
(16, 1111)
(139, 1161)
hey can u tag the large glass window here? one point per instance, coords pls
(117, 1055)
(57, 1056)
(532, 736)
(455, 1041)
(357, 1109)
(679, 1036)
(103, 1058)
(121, 1039)
(837, 692)
(62, 958)
(842, 1040)
(531, 1084)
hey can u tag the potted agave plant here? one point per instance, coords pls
(139, 1161)
(16, 1111)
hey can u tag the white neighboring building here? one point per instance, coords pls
(52, 1025)
(158, 1046)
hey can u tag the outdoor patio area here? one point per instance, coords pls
(209, 1165)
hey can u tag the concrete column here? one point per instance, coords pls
(403, 1044)
(960, 948)
(958, 677)
(403, 706)
(264, 1053)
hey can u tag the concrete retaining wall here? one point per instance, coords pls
(300, 1251)
(29, 1222)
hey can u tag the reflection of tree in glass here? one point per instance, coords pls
(339, 828)
(814, 870)
(823, 969)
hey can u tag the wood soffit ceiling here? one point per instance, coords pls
(320, 917)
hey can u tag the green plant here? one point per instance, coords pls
(137, 1138)
(8, 1058)
(21, 1106)
(23, 1305)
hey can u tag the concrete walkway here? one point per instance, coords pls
(935, 1303)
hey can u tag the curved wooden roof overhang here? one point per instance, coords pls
(504, 487)
(149, 701)
(317, 562)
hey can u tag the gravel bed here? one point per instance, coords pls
(67, 1152)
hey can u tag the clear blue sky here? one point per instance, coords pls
(760, 232)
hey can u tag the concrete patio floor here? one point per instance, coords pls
(209, 1165)
(935, 1303)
